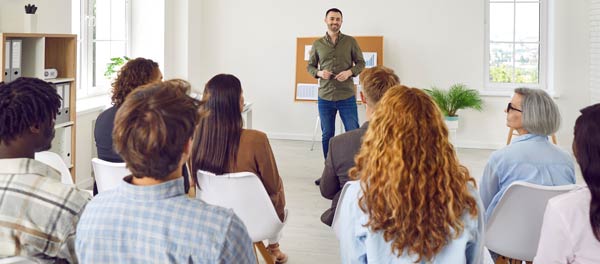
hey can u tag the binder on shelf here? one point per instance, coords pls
(15, 59)
(61, 144)
(66, 100)
(61, 116)
(7, 57)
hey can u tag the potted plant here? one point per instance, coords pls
(114, 65)
(458, 97)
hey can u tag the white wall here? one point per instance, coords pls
(428, 42)
(595, 50)
(53, 16)
(148, 30)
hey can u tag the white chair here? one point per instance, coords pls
(55, 161)
(108, 174)
(513, 229)
(336, 219)
(245, 194)
(17, 260)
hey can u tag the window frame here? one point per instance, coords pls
(543, 60)
(87, 20)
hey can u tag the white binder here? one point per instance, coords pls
(7, 58)
(62, 144)
(15, 59)
(66, 95)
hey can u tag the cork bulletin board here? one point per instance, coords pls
(306, 86)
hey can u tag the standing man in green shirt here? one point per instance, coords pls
(334, 60)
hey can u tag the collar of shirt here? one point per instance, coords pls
(528, 137)
(328, 38)
(28, 166)
(161, 191)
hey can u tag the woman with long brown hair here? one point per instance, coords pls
(222, 146)
(412, 201)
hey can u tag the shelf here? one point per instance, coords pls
(60, 80)
(65, 124)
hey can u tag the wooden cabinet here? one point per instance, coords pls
(49, 51)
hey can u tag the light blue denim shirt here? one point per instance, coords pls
(159, 224)
(359, 245)
(530, 158)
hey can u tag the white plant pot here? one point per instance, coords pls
(30, 23)
(452, 124)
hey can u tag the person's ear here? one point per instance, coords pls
(35, 129)
(362, 97)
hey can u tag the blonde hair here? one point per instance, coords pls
(414, 189)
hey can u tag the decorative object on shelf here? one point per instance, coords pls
(30, 22)
(114, 65)
(458, 97)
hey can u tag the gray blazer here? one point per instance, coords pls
(340, 160)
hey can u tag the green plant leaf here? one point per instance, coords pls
(459, 96)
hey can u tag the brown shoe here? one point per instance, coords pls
(276, 254)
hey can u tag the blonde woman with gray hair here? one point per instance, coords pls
(530, 157)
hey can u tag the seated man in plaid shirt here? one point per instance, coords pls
(38, 214)
(149, 218)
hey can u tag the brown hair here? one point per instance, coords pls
(415, 191)
(153, 126)
(134, 73)
(376, 81)
(217, 138)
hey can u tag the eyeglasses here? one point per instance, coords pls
(510, 107)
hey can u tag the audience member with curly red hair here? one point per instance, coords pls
(412, 200)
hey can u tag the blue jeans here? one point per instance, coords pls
(327, 112)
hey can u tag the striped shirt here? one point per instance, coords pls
(159, 224)
(38, 214)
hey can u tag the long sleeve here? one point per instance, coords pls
(555, 243)
(313, 61)
(488, 187)
(357, 58)
(267, 170)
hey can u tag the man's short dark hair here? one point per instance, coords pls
(153, 126)
(333, 10)
(25, 102)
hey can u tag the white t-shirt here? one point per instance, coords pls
(566, 235)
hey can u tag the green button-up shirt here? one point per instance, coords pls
(343, 55)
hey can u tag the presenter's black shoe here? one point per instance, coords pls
(318, 181)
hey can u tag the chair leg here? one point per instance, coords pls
(263, 251)
(312, 146)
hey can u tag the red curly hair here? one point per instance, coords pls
(133, 74)
(414, 189)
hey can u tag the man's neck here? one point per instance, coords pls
(333, 35)
(147, 181)
(15, 151)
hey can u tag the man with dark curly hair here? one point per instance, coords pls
(38, 214)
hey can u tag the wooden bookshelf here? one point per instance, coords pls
(51, 51)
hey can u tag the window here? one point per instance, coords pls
(105, 34)
(516, 44)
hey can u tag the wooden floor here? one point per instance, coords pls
(305, 239)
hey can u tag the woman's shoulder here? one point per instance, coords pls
(253, 136)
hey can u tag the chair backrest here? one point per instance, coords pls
(108, 174)
(55, 161)
(245, 194)
(513, 229)
(17, 260)
(334, 225)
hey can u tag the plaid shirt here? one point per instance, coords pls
(38, 214)
(159, 224)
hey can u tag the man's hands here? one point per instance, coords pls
(342, 76)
